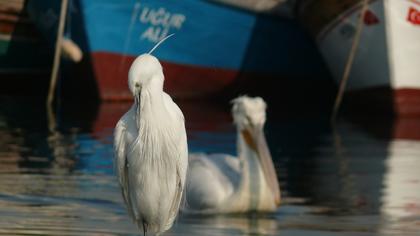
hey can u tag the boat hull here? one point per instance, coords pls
(215, 47)
(385, 66)
(21, 47)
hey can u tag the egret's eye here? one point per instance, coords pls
(137, 85)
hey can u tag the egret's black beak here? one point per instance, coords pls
(137, 102)
(137, 94)
(137, 99)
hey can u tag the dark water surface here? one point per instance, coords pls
(363, 179)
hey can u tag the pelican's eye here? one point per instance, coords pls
(249, 120)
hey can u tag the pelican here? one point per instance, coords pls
(151, 154)
(221, 183)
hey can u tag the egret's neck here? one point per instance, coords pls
(150, 107)
(153, 107)
(152, 95)
(156, 84)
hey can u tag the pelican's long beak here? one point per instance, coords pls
(255, 138)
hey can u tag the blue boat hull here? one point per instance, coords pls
(214, 46)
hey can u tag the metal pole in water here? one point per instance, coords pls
(349, 63)
(57, 53)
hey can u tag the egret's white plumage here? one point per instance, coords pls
(222, 183)
(151, 155)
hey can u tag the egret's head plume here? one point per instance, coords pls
(159, 43)
(248, 112)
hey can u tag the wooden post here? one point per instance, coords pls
(57, 53)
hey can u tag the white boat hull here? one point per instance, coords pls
(388, 54)
(389, 48)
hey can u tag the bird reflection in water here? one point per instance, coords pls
(372, 189)
(249, 224)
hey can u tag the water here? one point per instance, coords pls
(362, 179)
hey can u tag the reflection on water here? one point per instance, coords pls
(62, 183)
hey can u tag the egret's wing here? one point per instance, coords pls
(120, 160)
(182, 158)
(182, 147)
(176, 201)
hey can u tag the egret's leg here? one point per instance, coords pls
(144, 228)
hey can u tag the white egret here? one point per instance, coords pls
(221, 183)
(151, 153)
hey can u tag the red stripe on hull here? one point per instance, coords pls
(406, 128)
(182, 81)
(407, 102)
(200, 116)
(398, 102)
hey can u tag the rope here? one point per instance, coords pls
(349, 63)
(57, 53)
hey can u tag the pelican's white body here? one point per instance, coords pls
(221, 183)
(151, 154)
(218, 183)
